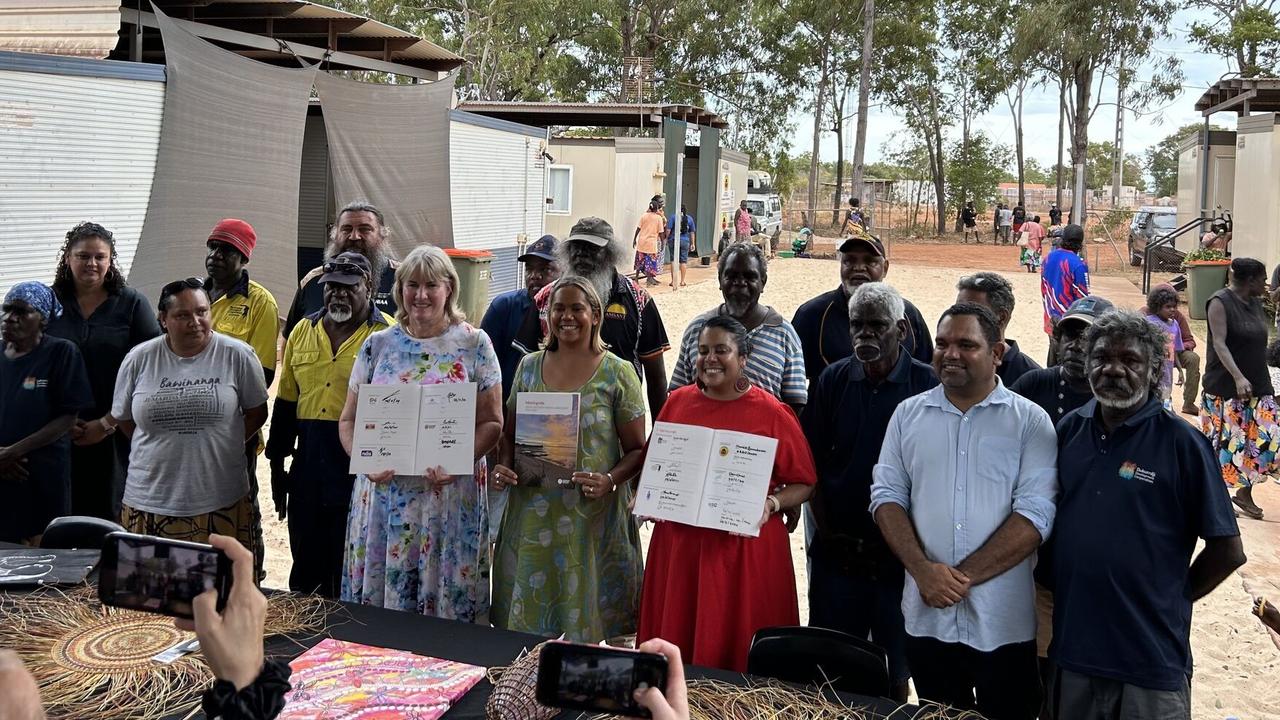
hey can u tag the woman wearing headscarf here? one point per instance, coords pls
(105, 319)
(1238, 410)
(42, 388)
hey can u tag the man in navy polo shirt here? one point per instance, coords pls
(1123, 597)
(855, 582)
(507, 311)
(822, 323)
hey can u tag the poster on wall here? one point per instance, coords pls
(726, 195)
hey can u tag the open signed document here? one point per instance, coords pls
(709, 478)
(409, 428)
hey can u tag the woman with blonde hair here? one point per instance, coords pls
(568, 557)
(421, 542)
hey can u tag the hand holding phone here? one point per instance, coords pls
(598, 678)
(231, 637)
(672, 703)
(154, 574)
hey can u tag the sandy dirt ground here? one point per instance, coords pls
(1237, 660)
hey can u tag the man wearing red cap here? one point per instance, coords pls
(246, 311)
(241, 307)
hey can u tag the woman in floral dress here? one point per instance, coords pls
(568, 558)
(421, 542)
(1238, 408)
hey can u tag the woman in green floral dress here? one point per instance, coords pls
(568, 556)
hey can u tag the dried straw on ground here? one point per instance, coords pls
(94, 662)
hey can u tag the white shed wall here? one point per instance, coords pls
(74, 148)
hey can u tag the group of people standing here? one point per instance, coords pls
(934, 463)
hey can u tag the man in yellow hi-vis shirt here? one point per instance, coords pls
(246, 311)
(315, 493)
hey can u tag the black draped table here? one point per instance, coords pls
(476, 645)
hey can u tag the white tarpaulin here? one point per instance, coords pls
(230, 146)
(389, 145)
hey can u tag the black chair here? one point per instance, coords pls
(818, 656)
(72, 532)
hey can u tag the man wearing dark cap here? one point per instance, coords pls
(632, 328)
(1063, 280)
(243, 309)
(1064, 387)
(359, 228)
(507, 311)
(316, 490)
(822, 323)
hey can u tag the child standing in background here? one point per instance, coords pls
(1162, 303)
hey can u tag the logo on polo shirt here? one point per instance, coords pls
(1129, 470)
(238, 311)
(31, 383)
(617, 311)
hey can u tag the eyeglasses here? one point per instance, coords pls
(343, 268)
(177, 286)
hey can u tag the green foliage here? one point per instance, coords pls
(1201, 254)
(1034, 172)
(572, 50)
(1244, 31)
(1099, 174)
(1162, 159)
(975, 172)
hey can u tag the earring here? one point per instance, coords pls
(742, 385)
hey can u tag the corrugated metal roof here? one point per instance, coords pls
(84, 28)
(584, 113)
(101, 29)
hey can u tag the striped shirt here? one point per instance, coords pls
(776, 362)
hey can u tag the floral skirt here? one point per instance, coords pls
(648, 263)
(1030, 258)
(1244, 434)
(237, 520)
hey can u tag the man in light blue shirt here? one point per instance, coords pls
(964, 494)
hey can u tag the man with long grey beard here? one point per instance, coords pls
(359, 228)
(1123, 596)
(315, 492)
(632, 328)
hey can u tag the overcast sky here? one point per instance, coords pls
(1040, 112)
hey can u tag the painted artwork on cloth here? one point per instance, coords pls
(338, 680)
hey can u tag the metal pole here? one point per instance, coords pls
(1117, 165)
(1077, 196)
(1204, 171)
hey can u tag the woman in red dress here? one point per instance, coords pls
(709, 591)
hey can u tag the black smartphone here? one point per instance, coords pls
(593, 677)
(153, 574)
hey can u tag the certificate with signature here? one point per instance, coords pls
(408, 428)
(709, 478)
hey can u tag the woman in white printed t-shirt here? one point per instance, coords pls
(189, 400)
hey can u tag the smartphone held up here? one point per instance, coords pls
(594, 677)
(152, 574)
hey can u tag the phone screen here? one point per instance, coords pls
(158, 575)
(592, 677)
